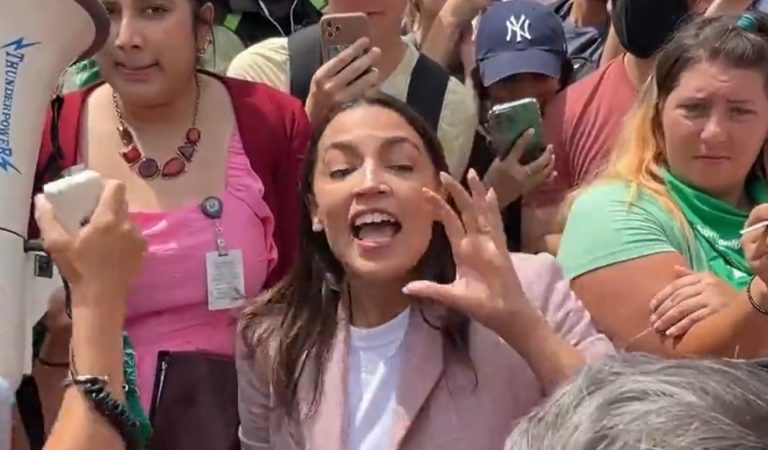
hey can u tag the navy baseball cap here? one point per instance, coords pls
(519, 36)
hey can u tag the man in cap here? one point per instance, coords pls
(520, 52)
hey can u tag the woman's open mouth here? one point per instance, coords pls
(375, 228)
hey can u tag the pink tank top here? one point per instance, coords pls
(168, 305)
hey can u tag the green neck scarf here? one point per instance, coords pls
(716, 226)
(133, 404)
(141, 436)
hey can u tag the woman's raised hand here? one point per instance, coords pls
(486, 285)
(105, 253)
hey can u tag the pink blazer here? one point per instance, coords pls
(440, 406)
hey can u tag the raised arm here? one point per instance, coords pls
(100, 261)
(444, 35)
(97, 346)
(544, 284)
(487, 285)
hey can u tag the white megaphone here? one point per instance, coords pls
(38, 40)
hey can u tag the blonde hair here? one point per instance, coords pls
(639, 154)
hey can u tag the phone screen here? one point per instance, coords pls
(509, 121)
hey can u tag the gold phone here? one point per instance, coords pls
(339, 31)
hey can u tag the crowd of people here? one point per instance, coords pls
(403, 283)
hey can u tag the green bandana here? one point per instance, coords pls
(142, 435)
(716, 227)
(132, 401)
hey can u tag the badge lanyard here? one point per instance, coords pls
(213, 208)
(224, 267)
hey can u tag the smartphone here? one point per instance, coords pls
(339, 31)
(508, 121)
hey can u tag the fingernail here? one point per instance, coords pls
(671, 332)
(654, 318)
(529, 132)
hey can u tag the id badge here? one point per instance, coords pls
(226, 285)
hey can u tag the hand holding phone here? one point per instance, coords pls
(340, 31)
(107, 251)
(508, 122)
(511, 179)
(348, 72)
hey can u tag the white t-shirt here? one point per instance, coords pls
(374, 371)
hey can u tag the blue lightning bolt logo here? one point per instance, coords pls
(6, 164)
(13, 50)
(19, 44)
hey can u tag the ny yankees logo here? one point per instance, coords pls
(520, 26)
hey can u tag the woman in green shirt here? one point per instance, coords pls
(653, 245)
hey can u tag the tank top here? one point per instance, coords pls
(168, 304)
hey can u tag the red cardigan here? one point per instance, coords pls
(275, 133)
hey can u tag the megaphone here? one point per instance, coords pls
(38, 40)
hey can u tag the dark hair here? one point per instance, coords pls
(712, 39)
(295, 323)
(716, 39)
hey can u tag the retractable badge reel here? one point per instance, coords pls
(224, 266)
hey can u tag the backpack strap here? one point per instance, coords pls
(305, 56)
(426, 91)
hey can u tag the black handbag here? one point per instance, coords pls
(194, 402)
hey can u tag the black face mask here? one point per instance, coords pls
(643, 26)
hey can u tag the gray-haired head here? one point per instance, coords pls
(633, 402)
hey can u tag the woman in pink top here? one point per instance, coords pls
(353, 351)
(168, 308)
(175, 137)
